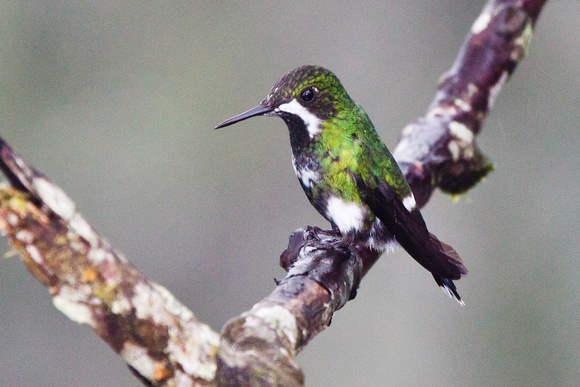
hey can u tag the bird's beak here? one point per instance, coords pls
(257, 111)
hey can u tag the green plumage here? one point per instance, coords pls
(347, 146)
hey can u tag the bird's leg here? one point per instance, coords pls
(347, 239)
(341, 240)
(315, 232)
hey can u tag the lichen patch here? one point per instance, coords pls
(55, 198)
(453, 148)
(279, 318)
(173, 305)
(138, 358)
(481, 23)
(461, 132)
(121, 305)
(73, 303)
(34, 254)
(191, 356)
(522, 42)
(461, 104)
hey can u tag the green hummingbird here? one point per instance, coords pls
(348, 173)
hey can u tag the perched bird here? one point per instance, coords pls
(348, 173)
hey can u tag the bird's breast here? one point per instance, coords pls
(307, 170)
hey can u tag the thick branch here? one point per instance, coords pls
(92, 284)
(439, 149)
(259, 347)
(158, 337)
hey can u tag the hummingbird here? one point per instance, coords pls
(349, 175)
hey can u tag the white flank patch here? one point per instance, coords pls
(347, 216)
(310, 120)
(294, 165)
(409, 203)
(481, 23)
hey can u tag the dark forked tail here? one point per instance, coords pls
(448, 287)
(410, 231)
(446, 283)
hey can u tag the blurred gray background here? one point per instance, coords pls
(116, 102)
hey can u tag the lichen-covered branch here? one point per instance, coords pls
(439, 149)
(92, 284)
(158, 337)
(259, 346)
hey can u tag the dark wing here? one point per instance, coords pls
(411, 233)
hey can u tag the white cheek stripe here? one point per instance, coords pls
(310, 120)
(347, 216)
(409, 203)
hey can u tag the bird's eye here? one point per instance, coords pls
(307, 94)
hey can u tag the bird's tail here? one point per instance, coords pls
(449, 288)
(446, 284)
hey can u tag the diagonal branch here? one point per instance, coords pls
(439, 149)
(158, 337)
(92, 284)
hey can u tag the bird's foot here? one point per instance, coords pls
(340, 241)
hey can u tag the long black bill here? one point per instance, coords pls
(257, 111)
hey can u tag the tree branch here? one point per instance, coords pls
(439, 149)
(93, 284)
(161, 339)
